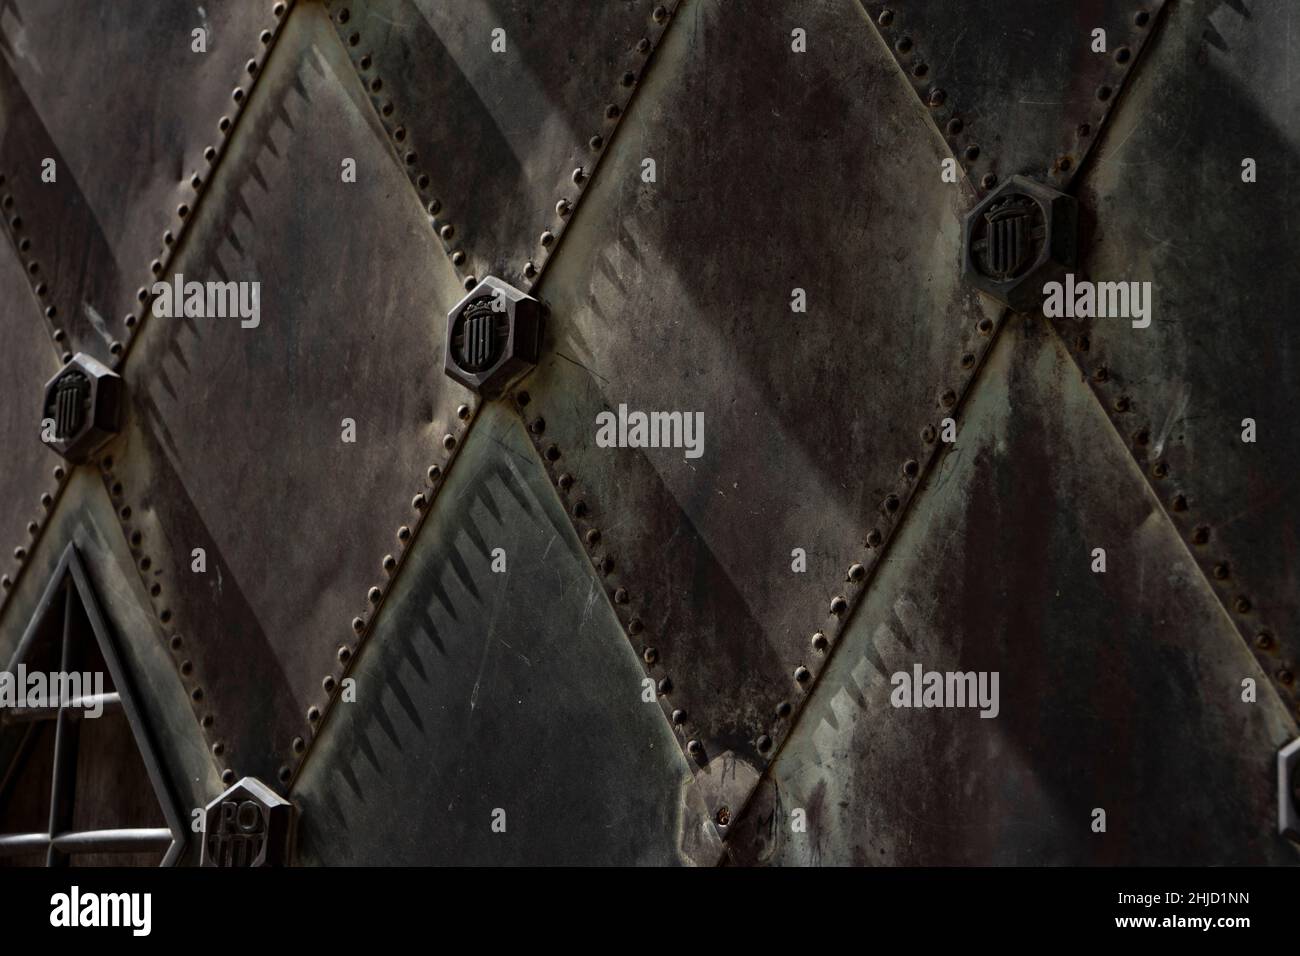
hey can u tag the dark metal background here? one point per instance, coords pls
(775, 171)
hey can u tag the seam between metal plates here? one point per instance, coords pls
(889, 20)
(440, 218)
(35, 528)
(391, 564)
(1177, 505)
(803, 670)
(184, 213)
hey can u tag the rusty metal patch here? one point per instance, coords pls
(1120, 691)
(500, 111)
(678, 297)
(238, 437)
(32, 474)
(120, 198)
(1018, 88)
(1219, 347)
(495, 673)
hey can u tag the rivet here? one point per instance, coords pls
(629, 78)
(206, 721)
(928, 434)
(693, 748)
(606, 564)
(1242, 605)
(620, 596)
(358, 624)
(537, 426)
(447, 231)
(911, 468)
(665, 686)
(462, 412)
(418, 502)
(783, 710)
(972, 153)
(457, 258)
(285, 774)
(936, 98)
(1180, 502)
(635, 626)
(265, 37)
(579, 509)
(839, 605)
(650, 655)
(595, 143)
(278, 10)
(1103, 93)
(1221, 570)
(530, 269)
(176, 642)
(1285, 676)
(552, 453)
(1102, 374)
(448, 442)
(223, 124)
(660, 14)
(802, 674)
(365, 62)
(857, 572)
(547, 238)
(237, 94)
(218, 749)
(328, 684)
(373, 595)
(197, 693)
(5, 582)
(948, 399)
(1123, 404)
(1160, 469)
(20, 553)
(1201, 535)
(1142, 18)
(1264, 640)
(313, 713)
(984, 325)
(819, 642)
(1084, 130)
(435, 205)
(764, 743)
(643, 45)
(968, 360)
(434, 473)
(115, 347)
(403, 533)
(46, 500)
(563, 208)
(1123, 54)
(227, 776)
(299, 745)
(182, 210)
(1063, 163)
(612, 111)
(344, 655)
(988, 181)
(565, 482)
(874, 538)
(593, 537)
(904, 44)
(679, 717)
(886, 18)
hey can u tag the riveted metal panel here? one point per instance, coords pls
(677, 295)
(1120, 691)
(1173, 210)
(85, 518)
(468, 700)
(28, 484)
(236, 440)
(1022, 88)
(492, 107)
(118, 97)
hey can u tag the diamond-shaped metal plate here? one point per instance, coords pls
(483, 690)
(492, 107)
(1221, 344)
(1017, 88)
(236, 439)
(677, 295)
(27, 361)
(1120, 691)
(126, 108)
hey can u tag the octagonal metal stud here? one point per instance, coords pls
(1021, 236)
(248, 825)
(494, 336)
(82, 408)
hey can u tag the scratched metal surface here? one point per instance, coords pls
(115, 95)
(27, 361)
(676, 296)
(1119, 690)
(469, 700)
(498, 134)
(234, 442)
(1017, 89)
(1172, 209)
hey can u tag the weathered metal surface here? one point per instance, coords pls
(85, 518)
(485, 690)
(1017, 88)
(127, 110)
(1219, 348)
(28, 485)
(1119, 690)
(500, 110)
(677, 295)
(237, 440)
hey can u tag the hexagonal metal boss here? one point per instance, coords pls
(494, 335)
(82, 408)
(1021, 236)
(248, 825)
(1288, 790)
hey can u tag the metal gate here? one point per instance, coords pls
(518, 431)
